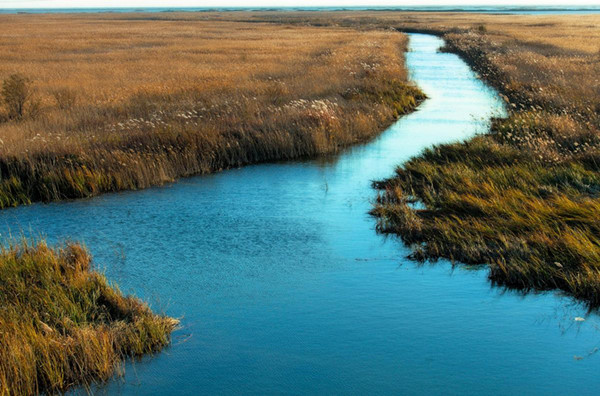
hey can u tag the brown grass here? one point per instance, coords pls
(63, 325)
(128, 101)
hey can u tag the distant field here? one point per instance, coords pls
(127, 101)
(574, 32)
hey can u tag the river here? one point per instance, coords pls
(283, 286)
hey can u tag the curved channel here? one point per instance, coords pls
(283, 286)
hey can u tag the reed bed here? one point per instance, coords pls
(64, 325)
(128, 101)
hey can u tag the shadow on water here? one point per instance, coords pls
(285, 287)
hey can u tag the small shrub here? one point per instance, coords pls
(16, 95)
(481, 28)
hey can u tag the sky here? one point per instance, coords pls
(274, 3)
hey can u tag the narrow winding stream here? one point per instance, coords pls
(283, 285)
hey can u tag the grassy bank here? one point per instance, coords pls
(127, 101)
(63, 325)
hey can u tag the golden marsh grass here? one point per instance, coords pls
(129, 101)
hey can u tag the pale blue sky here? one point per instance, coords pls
(272, 3)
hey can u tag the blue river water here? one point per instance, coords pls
(283, 286)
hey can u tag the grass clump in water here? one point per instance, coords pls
(63, 325)
(535, 223)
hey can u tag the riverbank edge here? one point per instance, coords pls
(62, 325)
(405, 206)
(28, 181)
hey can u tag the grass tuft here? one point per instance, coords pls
(63, 325)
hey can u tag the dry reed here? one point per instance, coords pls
(127, 101)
